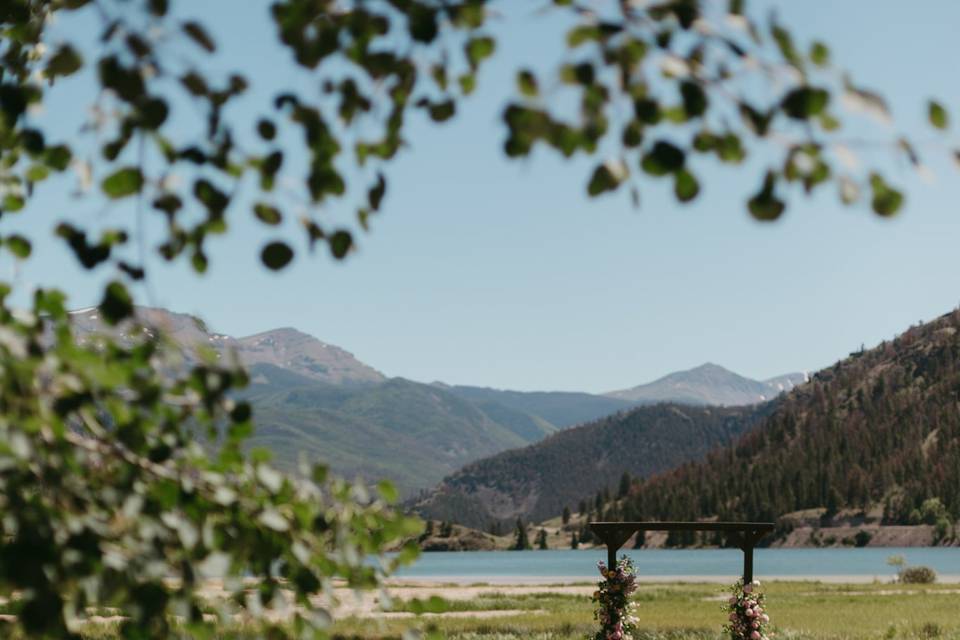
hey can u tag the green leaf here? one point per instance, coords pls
(18, 246)
(765, 205)
(527, 84)
(340, 244)
(442, 111)
(198, 34)
(805, 102)
(195, 84)
(57, 157)
(13, 202)
(819, 54)
(478, 49)
(66, 61)
(886, 200)
(377, 192)
(123, 182)
(581, 34)
(422, 23)
(276, 255)
(758, 121)
(266, 129)
(663, 158)
(685, 186)
(938, 115)
(632, 134)
(387, 491)
(267, 214)
(158, 7)
(37, 173)
(694, 99)
(647, 110)
(468, 82)
(117, 304)
(153, 113)
(603, 179)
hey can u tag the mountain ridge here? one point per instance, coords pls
(708, 384)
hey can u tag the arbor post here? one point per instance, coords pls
(615, 534)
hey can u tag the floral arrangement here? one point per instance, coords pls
(614, 610)
(748, 620)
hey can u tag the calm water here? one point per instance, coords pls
(864, 563)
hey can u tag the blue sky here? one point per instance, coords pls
(502, 273)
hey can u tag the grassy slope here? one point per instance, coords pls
(412, 433)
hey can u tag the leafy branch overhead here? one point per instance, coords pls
(661, 85)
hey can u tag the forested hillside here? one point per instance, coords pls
(538, 481)
(880, 427)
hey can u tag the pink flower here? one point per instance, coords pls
(732, 600)
(747, 588)
(765, 618)
(733, 617)
(755, 635)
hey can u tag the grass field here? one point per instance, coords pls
(799, 610)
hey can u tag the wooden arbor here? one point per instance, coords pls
(746, 534)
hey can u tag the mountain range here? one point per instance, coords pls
(316, 400)
(877, 432)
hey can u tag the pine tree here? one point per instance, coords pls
(521, 542)
(625, 483)
(574, 542)
(428, 531)
(542, 539)
(566, 515)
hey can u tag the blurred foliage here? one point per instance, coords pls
(123, 475)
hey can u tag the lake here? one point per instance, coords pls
(863, 564)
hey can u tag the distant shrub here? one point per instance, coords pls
(918, 575)
(862, 538)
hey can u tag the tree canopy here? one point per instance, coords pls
(124, 479)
